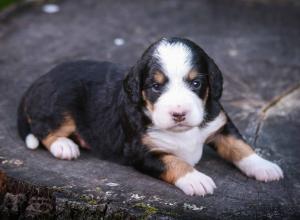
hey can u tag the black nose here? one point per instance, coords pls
(178, 116)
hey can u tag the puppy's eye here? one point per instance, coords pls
(195, 84)
(156, 87)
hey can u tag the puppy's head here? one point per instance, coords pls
(173, 80)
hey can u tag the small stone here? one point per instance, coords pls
(156, 198)
(119, 41)
(98, 189)
(18, 162)
(15, 162)
(108, 193)
(137, 196)
(192, 207)
(233, 52)
(51, 8)
(112, 184)
(170, 203)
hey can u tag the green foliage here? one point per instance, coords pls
(148, 210)
(5, 3)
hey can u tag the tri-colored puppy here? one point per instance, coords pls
(155, 116)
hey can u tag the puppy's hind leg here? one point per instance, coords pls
(58, 143)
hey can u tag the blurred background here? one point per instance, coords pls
(254, 42)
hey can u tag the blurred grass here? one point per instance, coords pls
(5, 3)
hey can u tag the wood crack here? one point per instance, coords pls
(272, 103)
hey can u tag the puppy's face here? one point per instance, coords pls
(174, 84)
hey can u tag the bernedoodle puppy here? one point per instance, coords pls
(155, 116)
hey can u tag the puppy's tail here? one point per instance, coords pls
(24, 128)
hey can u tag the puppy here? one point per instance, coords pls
(155, 116)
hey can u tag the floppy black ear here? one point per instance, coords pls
(215, 79)
(132, 84)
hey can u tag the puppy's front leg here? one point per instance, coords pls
(176, 171)
(231, 146)
(185, 177)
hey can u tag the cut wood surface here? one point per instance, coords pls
(255, 44)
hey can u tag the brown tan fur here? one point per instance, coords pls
(206, 95)
(174, 166)
(3, 182)
(231, 148)
(81, 141)
(192, 75)
(159, 77)
(147, 141)
(67, 128)
(149, 105)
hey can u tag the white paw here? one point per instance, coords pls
(64, 148)
(259, 168)
(31, 142)
(196, 183)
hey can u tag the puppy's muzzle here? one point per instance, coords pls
(178, 116)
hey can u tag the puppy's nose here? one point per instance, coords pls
(178, 116)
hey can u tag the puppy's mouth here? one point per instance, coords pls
(179, 127)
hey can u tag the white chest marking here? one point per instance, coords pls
(187, 145)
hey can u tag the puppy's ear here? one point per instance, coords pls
(215, 79)
(132, 84)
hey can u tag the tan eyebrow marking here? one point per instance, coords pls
(192, 75)
(159, 77)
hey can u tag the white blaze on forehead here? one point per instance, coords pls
(174, 57)
(175, 60)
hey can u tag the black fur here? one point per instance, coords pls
(105, 100)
